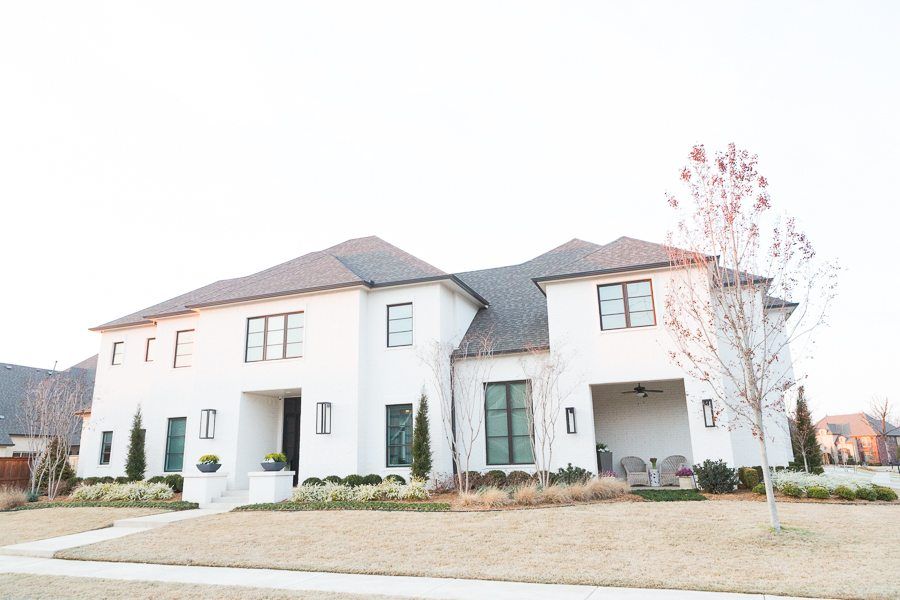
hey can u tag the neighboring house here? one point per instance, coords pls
(857, 436)
(15, 381)
(322, 357)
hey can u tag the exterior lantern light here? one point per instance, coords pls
(323, 417)
(709, 416)
(570, 419)
(207, 423)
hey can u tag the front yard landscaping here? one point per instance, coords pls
(724, 546)
(28, 525)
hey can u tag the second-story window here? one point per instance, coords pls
(184, 348)
(118, 353)
(274, 337)
(150, 350)
(399, 325)
(627, 304)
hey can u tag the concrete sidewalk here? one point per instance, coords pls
(416, 587)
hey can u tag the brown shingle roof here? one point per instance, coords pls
(855, 424)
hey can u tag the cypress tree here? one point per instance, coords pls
(421, 444)
(807, 453)
(137, 458)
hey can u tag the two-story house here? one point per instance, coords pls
(323, 357)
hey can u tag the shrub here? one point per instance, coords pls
(136, 463)
(353, 480)
(526, 495)
(154, 479)
(421, 443)
(760, 488)
(396, 478)
(137, 491)
(715, 476)
(494, 478)
(684, 472)
(847, 493)
(275, 457)
(372, 479)
(606, 487)
(122, 479)
(817, 491)
(493, 496)
(885, 493)
(748, 477)
(572, 474)
(336, 492)
(332, 479)
(514, 478)
(312, 481)
(792, 490)
(11, 497)
(208, 459)
(475, 479)
(175, 481)
(866, 493)
(669, 495)
(555, 494)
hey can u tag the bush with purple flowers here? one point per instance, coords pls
(684, 472)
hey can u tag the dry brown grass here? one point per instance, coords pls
(34, 587)
(493, 496)
(29, 525)
(11, 497)
(526, 495)
(724, 546)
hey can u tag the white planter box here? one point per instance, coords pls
(203, 487)
(270, 486)
(686, 483)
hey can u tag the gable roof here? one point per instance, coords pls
(14, 383)
(622, 254)
(368, 261)
(855, 425)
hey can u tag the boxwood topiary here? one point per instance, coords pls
(122, 480)
(790, 489)
(332, 479)
(175, 481)
(760, 488)
(397, 478)
(372, 479)
(313, 481)
(866, 493)
(154, 479)
(748, 477)
(715, 476)
(842, 491)
(885, 493)
(494, 477)
(518, 478)
(817, 491)
(353, 480)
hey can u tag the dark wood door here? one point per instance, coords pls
(290, 434)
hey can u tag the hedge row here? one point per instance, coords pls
(178, 505)
(349, 505)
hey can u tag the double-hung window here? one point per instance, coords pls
(175, 444)
(399, 325)
(399, 435)
(507, 424)
(118, 353)
(624, 305)
(184, 348)
(274, 337)
(105, 447)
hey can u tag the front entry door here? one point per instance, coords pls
(290, 434)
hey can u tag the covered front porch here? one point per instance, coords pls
(642, 420)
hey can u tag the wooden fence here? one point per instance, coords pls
(14, 472)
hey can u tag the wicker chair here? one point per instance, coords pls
(635, 471)
(669, 467)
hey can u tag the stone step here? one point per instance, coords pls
(236, 494)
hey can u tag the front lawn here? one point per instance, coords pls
(725, 546)
(669, 495)
(29, 525)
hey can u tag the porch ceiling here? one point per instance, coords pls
(279, 393)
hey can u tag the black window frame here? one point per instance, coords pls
(105, 447)
(509, 434)
(388, 320)
(175, 364)
(114, 353)
(387, 435)
(265, 332)
(627, 313)
(166, 468)
(147, 357)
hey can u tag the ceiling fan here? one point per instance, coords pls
(641, 392)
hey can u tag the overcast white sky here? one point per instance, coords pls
(150, 148)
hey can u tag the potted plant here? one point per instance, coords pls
(685, 478)
(274, 461)
(604, 458)
(208, 463)
(653, 463)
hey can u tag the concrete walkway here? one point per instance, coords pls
(416, 587)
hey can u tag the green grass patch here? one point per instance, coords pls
(350, 505)
(669, 495)
(179, 505)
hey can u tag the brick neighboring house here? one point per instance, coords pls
(856, 436)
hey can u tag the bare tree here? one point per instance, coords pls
(883, 412)
(736, 270)
(543, 369)
(459, 376)
(48, 419)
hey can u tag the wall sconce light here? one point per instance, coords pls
(207, 423)
(709, 416)
(323, 417)
(570, 419)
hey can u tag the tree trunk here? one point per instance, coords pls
(767, 480)
(805, 462)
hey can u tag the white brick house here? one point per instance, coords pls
(322, 357)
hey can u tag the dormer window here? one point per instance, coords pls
(628, 304)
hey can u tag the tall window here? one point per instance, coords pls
(506, 423)
(184, 348)
(105, 447)
(399, 435)
(118, 353)
(150, 350)
(626, 305)
(175, 444)
(274, 337)
(399, 325)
